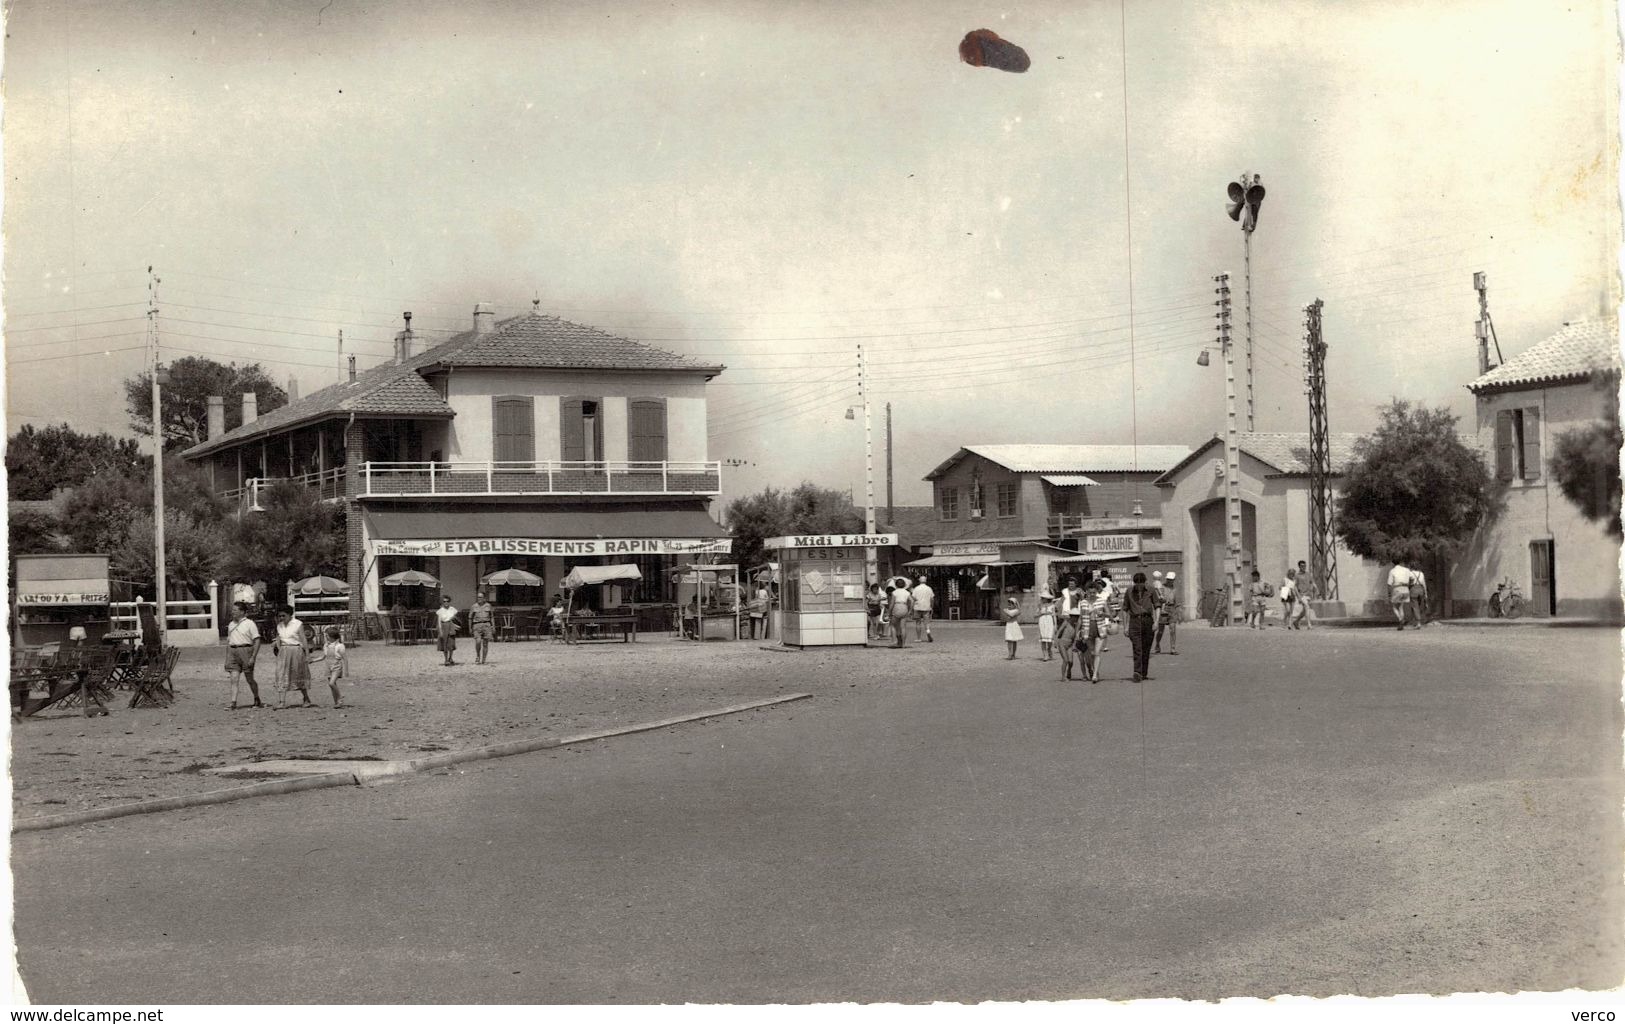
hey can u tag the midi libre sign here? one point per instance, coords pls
(529, 546)
(833, 540)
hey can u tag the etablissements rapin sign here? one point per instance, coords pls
(527, 546)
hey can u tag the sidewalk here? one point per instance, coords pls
(401, 703)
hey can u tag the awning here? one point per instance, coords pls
(588, 575)
(1068, 480)
(950, 561)
(1073, 559)
(1004, 565)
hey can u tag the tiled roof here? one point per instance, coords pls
(1073, 458)
(537, 340)
(1287, 452)
(1573, 353)
(909, 523)
(528, 341)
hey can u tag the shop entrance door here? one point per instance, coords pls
(1542, 579)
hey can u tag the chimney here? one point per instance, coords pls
(251, 407)
(405, 341)
(217, 417)
(485, 318)
(352, 368)
(293, 388)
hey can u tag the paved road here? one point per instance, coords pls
(1343, 811)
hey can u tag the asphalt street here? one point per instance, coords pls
(1342, 811)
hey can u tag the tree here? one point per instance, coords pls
(1585, 462)
(40, 460)
(1414, 492)
(192, 379)
(193, 550)
(96, 516)
(34, 532)
(774, 513)
(297, 535)
(111, 514)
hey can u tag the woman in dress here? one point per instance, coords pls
(446, 627)
(292, 664)
(1046, 622)
(1012, 626)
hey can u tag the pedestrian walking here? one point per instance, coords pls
(1307, 592)
(1168, 618)
(336, 660)
(1011, 614)
(242, 647)
(482, 627)
(1094, 619)
(1046, 623)
(1140, 614)
(1108, 591)
(901, 607)
(923, 598)
(758, 611)
(1288, 593)
(1419, 597)
(1066, 627)
(1258, 595)
(292, 663)
(875, 605)
(446, 628)
(1399, 593)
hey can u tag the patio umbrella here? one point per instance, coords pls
(315, 585)
(512, 577)
(410, 578)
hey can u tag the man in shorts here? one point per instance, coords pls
(242, 647)
(1071, 606)
(902, 607)
(482, 626)
(923, 596)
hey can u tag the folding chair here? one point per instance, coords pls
(151, 684)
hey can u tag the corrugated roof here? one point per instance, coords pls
(1069, 480)
(1581, 348)
(1073, 458)
(1285, 452)
(532, 340)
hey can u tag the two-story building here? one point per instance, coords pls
(1565, 564)
(1015, 516)
(531, 443)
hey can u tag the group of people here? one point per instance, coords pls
(293, 657)
(481, 625)
(1080, 620)
(1408, 595)
(1295, 593)
(895, 605)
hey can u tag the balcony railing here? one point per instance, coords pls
(329, 485)
(1067, 523)
(412, 479)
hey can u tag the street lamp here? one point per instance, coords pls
(1244, 198)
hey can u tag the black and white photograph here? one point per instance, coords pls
(521, 503)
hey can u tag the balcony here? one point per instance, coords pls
(487, 479)
(1070, 524)
(328, 484)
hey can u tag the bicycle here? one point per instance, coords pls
(1507, 602)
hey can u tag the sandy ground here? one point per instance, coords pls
(400, 703)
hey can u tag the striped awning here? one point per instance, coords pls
(1068, 480)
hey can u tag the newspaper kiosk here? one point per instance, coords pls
(824, 581)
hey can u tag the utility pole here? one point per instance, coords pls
(1246, 196)
(1232, 457)
(891, 509)
(160, 570)
(1322, 549)
(1485, 328)
(871, 558)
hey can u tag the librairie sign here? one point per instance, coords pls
(963, 550)
(1112, 544)
(532, 546)
(833, 540)
(62, 598)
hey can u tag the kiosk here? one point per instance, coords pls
(824, 581)
(708, 602)
(57, 594)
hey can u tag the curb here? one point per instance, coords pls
(385, 769)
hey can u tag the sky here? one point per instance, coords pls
(1022, 257)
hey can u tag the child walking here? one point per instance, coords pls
(1012, 627)
(1046, 623)
(338, 664)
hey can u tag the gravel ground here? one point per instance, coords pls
(401, 703)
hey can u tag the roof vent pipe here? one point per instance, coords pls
(217, 416)
(352, 369)
(404, 341)
(484, 318)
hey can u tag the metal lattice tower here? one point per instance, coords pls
(1322, 545)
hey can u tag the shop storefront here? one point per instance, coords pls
(1119, 555)
(972, 579)
(61, 597)
(461, 546)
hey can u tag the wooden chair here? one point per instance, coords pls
(151, 684)
(400, 628)
(507, 626)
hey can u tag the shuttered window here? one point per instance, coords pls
(581, 429)
(1530, 442)
(1503, 445)
(646, 433)
(513, 429)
